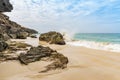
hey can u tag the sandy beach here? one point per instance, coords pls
(84, 64)
(60, 40)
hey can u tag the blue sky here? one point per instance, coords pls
(85, 16)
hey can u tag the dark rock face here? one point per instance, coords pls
(7, 57)
(35, 54)
(3, 46)
(10, 29)
(5, 6)
(1, 37)
(60, 62)
(22, 35)
(53, 38)
(40, 52)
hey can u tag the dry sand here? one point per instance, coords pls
(84, 64)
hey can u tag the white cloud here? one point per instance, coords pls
(46, 15)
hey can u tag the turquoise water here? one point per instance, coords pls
(99, 37)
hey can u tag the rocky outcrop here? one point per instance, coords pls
(52, 38)
(40, 52)
(3, 46)
(35, 54)
(10, 29)
(5, 6)
(59, 62)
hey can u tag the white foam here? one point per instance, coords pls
(96, 45)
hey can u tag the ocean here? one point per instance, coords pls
(100, 41)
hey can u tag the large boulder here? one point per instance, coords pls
(52, 37)
(22, 35)
(35, 54)
(5, 6)
(3, 46)
(59, 61)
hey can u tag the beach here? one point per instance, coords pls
(84, 64)
(62, 40)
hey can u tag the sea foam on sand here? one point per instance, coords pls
(96, 45)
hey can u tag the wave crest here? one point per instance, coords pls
(96, 45)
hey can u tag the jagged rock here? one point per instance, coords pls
(5, 6)
(40, 52)
(1, 37)
(52, 37)
(60, 62)
(22, 35)
(11, 29)
(33, 36)
(35, 54)
(5, 57)
(3, 46)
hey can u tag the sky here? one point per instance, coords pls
(72, 16)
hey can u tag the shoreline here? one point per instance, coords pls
(96, 45)
(84, 64)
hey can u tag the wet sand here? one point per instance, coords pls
(84, 64)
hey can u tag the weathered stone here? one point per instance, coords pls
(5, 6)
(11, 29)
(1, 37)
(22, 35)
(60, 62)
(33, 36)
(40, 52)
(5, 57)
(35, 54)
(3, 46)
(53, 38)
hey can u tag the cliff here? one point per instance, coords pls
(5, 6)
(10, 29)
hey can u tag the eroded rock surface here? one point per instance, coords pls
(5, 6)
(3, 46)
(10, 29)
(40, 52)
(52, 38)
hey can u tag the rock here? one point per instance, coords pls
(5, 57)
(35, 54)
(22, 35)
(53, 38)
(40, 52)
(3, 46)
(60, 62)
(11, 29)
(18, 44)
(1, 37)
(33, 36)
(5, 6)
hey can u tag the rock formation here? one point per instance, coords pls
(40, 52)
(5, 6)
(35, 54)
(3, 46)
(11, 29)
(52, 37)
